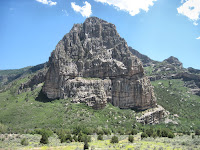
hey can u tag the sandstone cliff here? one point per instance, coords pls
(93, 64)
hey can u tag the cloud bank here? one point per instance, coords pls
(47, 2)
(85, 10)
(133, 7)
(190, 9)
(198, 38)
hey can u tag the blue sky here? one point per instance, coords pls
(30, 29)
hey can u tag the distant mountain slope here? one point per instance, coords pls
(7, 76)
(170, 68)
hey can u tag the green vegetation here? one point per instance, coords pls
(130, 138)
(183, 106)
(80, 126)
(100, 137)
(21, 113)
(24, 142)
(114, 139)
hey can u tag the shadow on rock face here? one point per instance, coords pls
(43, 98)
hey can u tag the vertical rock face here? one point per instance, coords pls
(93, 64)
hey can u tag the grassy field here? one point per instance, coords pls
(12, 141)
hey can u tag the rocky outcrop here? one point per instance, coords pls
(92, 50)
(174, 61)
(192, 70)
(145, 59)
(38, 78)
(153, 116)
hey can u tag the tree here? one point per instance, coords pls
(86, 145)
(114, 139)
(130, 138)
(45, 135)
(100, 137)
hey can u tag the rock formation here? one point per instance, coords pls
(153, 116)
(93, 64)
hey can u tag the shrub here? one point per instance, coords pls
(170, 135)
(130, 138)
(47, 132)
(106, 131)
(164, 133)
(154, 135)
(24, 142)
(68, 137)
(114, 139)
(75, 138)
(197, 132)
(134, 131)
(149, 132)
(100, 137)
(100, 131)
(83, 137)
(144, 135)
(159, 133)
(44, 139)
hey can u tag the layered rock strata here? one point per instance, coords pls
(153, 116)
(93, 64)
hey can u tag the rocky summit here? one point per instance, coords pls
(93, 64)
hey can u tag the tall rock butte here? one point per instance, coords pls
(93, 64)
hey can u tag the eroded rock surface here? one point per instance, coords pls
(153, 116)
(93, 50)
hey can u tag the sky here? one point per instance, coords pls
(31, 29)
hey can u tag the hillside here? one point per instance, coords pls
(172, 94)
(92, 91)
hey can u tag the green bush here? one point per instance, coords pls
(144, 135)
(44, 139)
(100, 137)
(164, 133)
(83, 137)
(134, 132)
(154, 135)
(106, 131)
(75, 138)
(197, 132)
(170, 135)
(149, 132)
(114, 139)
(68, 137)
(24, 142)
(158, 132)
(130, 138)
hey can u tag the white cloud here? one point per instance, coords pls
(190, 9)
(198, 38)
(133, 7)
(194, 23)
(85, 11)
(47, 2)
(65, 12)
